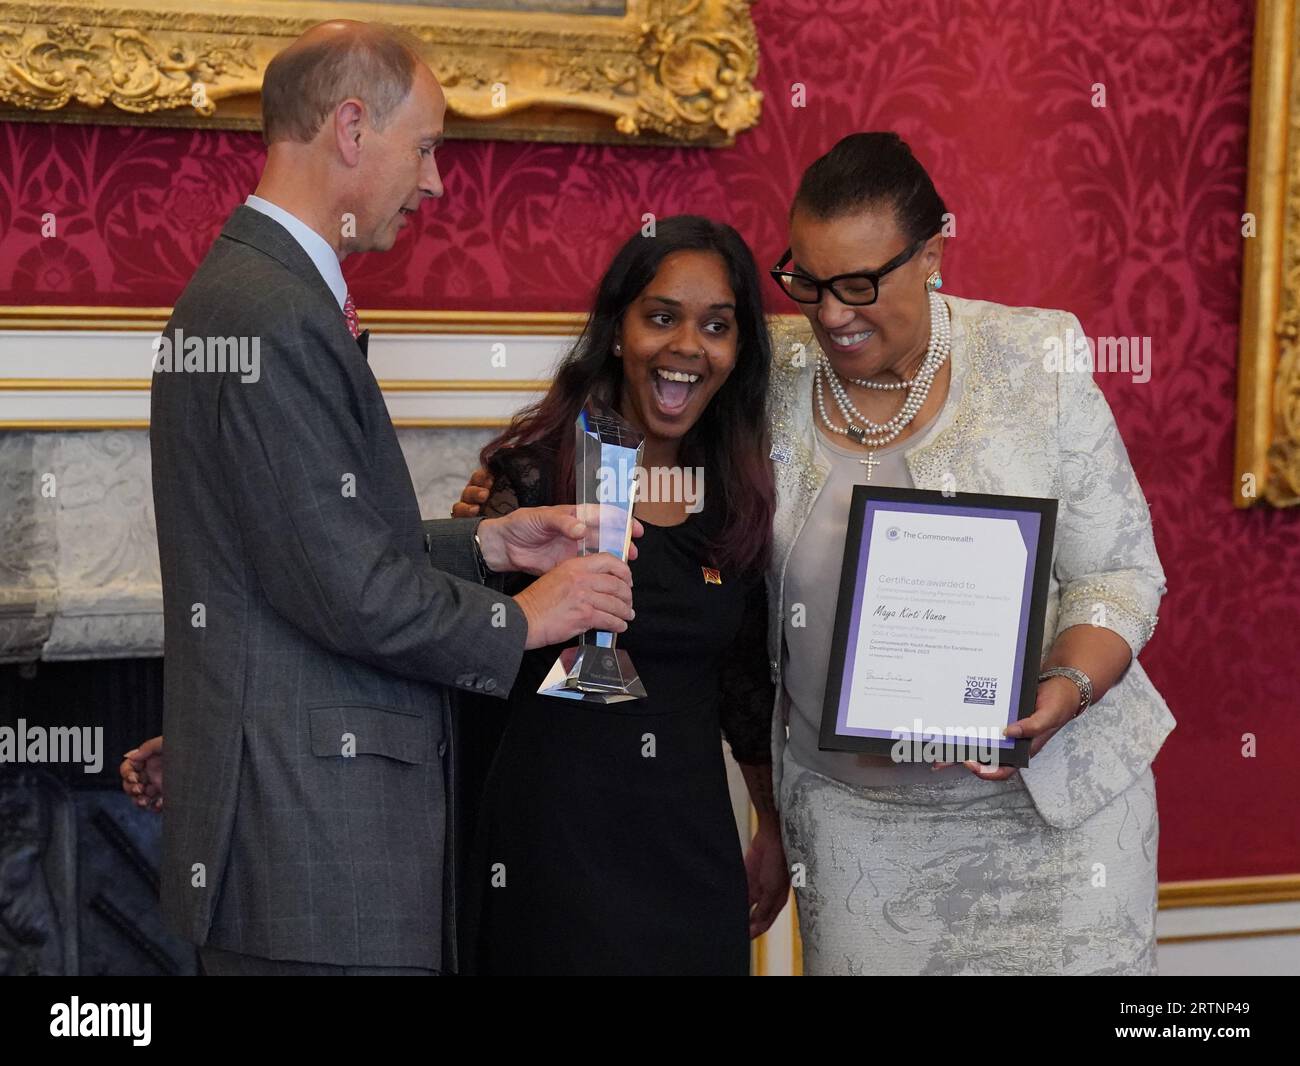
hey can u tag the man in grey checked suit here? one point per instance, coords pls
(314, 626)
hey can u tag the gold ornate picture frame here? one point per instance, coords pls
(1268, 373)
(661, 72)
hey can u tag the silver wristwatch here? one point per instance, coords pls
(484, 571)
(1082, 680)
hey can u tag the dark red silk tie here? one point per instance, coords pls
(350, 313)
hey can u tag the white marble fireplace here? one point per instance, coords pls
(78, 556)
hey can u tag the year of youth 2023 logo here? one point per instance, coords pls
(982, 690)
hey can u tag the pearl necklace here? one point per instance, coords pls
(877, 435)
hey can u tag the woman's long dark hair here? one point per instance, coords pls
(730, 441)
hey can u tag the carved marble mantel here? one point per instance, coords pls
(78, 554)
(78, 557)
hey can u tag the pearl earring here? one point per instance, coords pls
(618, 349)
(934, 281)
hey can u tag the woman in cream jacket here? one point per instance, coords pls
(910, 869)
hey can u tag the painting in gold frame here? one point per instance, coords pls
(604, 71)
(1268, 376)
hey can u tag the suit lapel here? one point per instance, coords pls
(363, 342)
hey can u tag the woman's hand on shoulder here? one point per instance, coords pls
(477, 491)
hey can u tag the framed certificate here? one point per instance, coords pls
(939, 625)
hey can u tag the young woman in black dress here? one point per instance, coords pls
(606, 842)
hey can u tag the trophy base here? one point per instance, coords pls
(593, 675)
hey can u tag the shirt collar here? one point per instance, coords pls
(316, 247)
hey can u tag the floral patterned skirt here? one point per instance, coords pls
(967, 878)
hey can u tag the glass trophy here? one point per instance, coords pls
(606, 459)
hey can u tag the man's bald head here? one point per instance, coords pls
(333, 62)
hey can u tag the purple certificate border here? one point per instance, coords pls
(1028, 523)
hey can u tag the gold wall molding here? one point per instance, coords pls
(111, 394)
(1267, 466)
(666, 71)
(389, 385)
(1230, 891)
(478, 323)
(153, 319)
(1235, 934)
(58, 426)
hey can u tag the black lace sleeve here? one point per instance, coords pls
(747, 689)
(519, 479)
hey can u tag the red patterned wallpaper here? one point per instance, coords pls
(1127, 214)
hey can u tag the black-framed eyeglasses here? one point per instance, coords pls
(859, 288)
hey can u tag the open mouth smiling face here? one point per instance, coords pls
(678, 343)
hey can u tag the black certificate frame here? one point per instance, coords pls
(833, 735)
